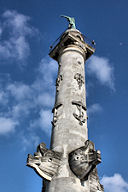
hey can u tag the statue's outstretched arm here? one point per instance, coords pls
(67, 17)
(71, 21)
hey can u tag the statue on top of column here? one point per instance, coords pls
(71, 21)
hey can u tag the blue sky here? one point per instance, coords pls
(27, 85)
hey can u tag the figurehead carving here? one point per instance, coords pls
(84, 159)
(45, 162)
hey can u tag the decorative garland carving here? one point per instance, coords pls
(84, 159)
(80, 79)
(45, 162)
(81, 116)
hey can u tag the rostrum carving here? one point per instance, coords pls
(84, 159)
(81, 115)
(45, 161)
(80, 79)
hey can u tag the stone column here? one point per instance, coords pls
(69, 130)
(70, 163)
(69, 114)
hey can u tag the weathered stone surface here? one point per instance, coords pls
(45, 162)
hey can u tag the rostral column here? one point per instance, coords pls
(70, 163)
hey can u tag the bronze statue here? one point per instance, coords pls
(71, 21)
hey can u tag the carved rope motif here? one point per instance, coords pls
(45, 162)
(80, 79)
(81, 116)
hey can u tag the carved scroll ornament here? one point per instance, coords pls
(84, 159)
(45, 162)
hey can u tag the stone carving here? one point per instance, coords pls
(81, 116)
(45, 162)
(55, 116)
(84, 159)
(80, 79)
(58, 80)
(94, 181)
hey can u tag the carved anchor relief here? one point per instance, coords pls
(80, 79)
(58, 81)
(45, 162)
(84, 159)
(81, 115)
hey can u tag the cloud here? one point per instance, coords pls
(7, 125)
(19, 90)
(47, 70)
(30, 105)
(15, 30)
(45, 120)
(30, 140)
(101, 68)
(94, 108)
(116, 183)
(45, 99)
(3, 98)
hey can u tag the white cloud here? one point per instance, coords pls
(48, 69)
(116, 183)
(17, 29)
(30, 140)
(102, 69)
(94, 108)
(21, 110)
(3, 98)
(45, 120)
(33, 102)
(21, 47)
(45, 99)
(18, 22)
(19, 90)
(7, 125)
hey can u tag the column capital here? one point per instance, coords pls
(72, 40)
